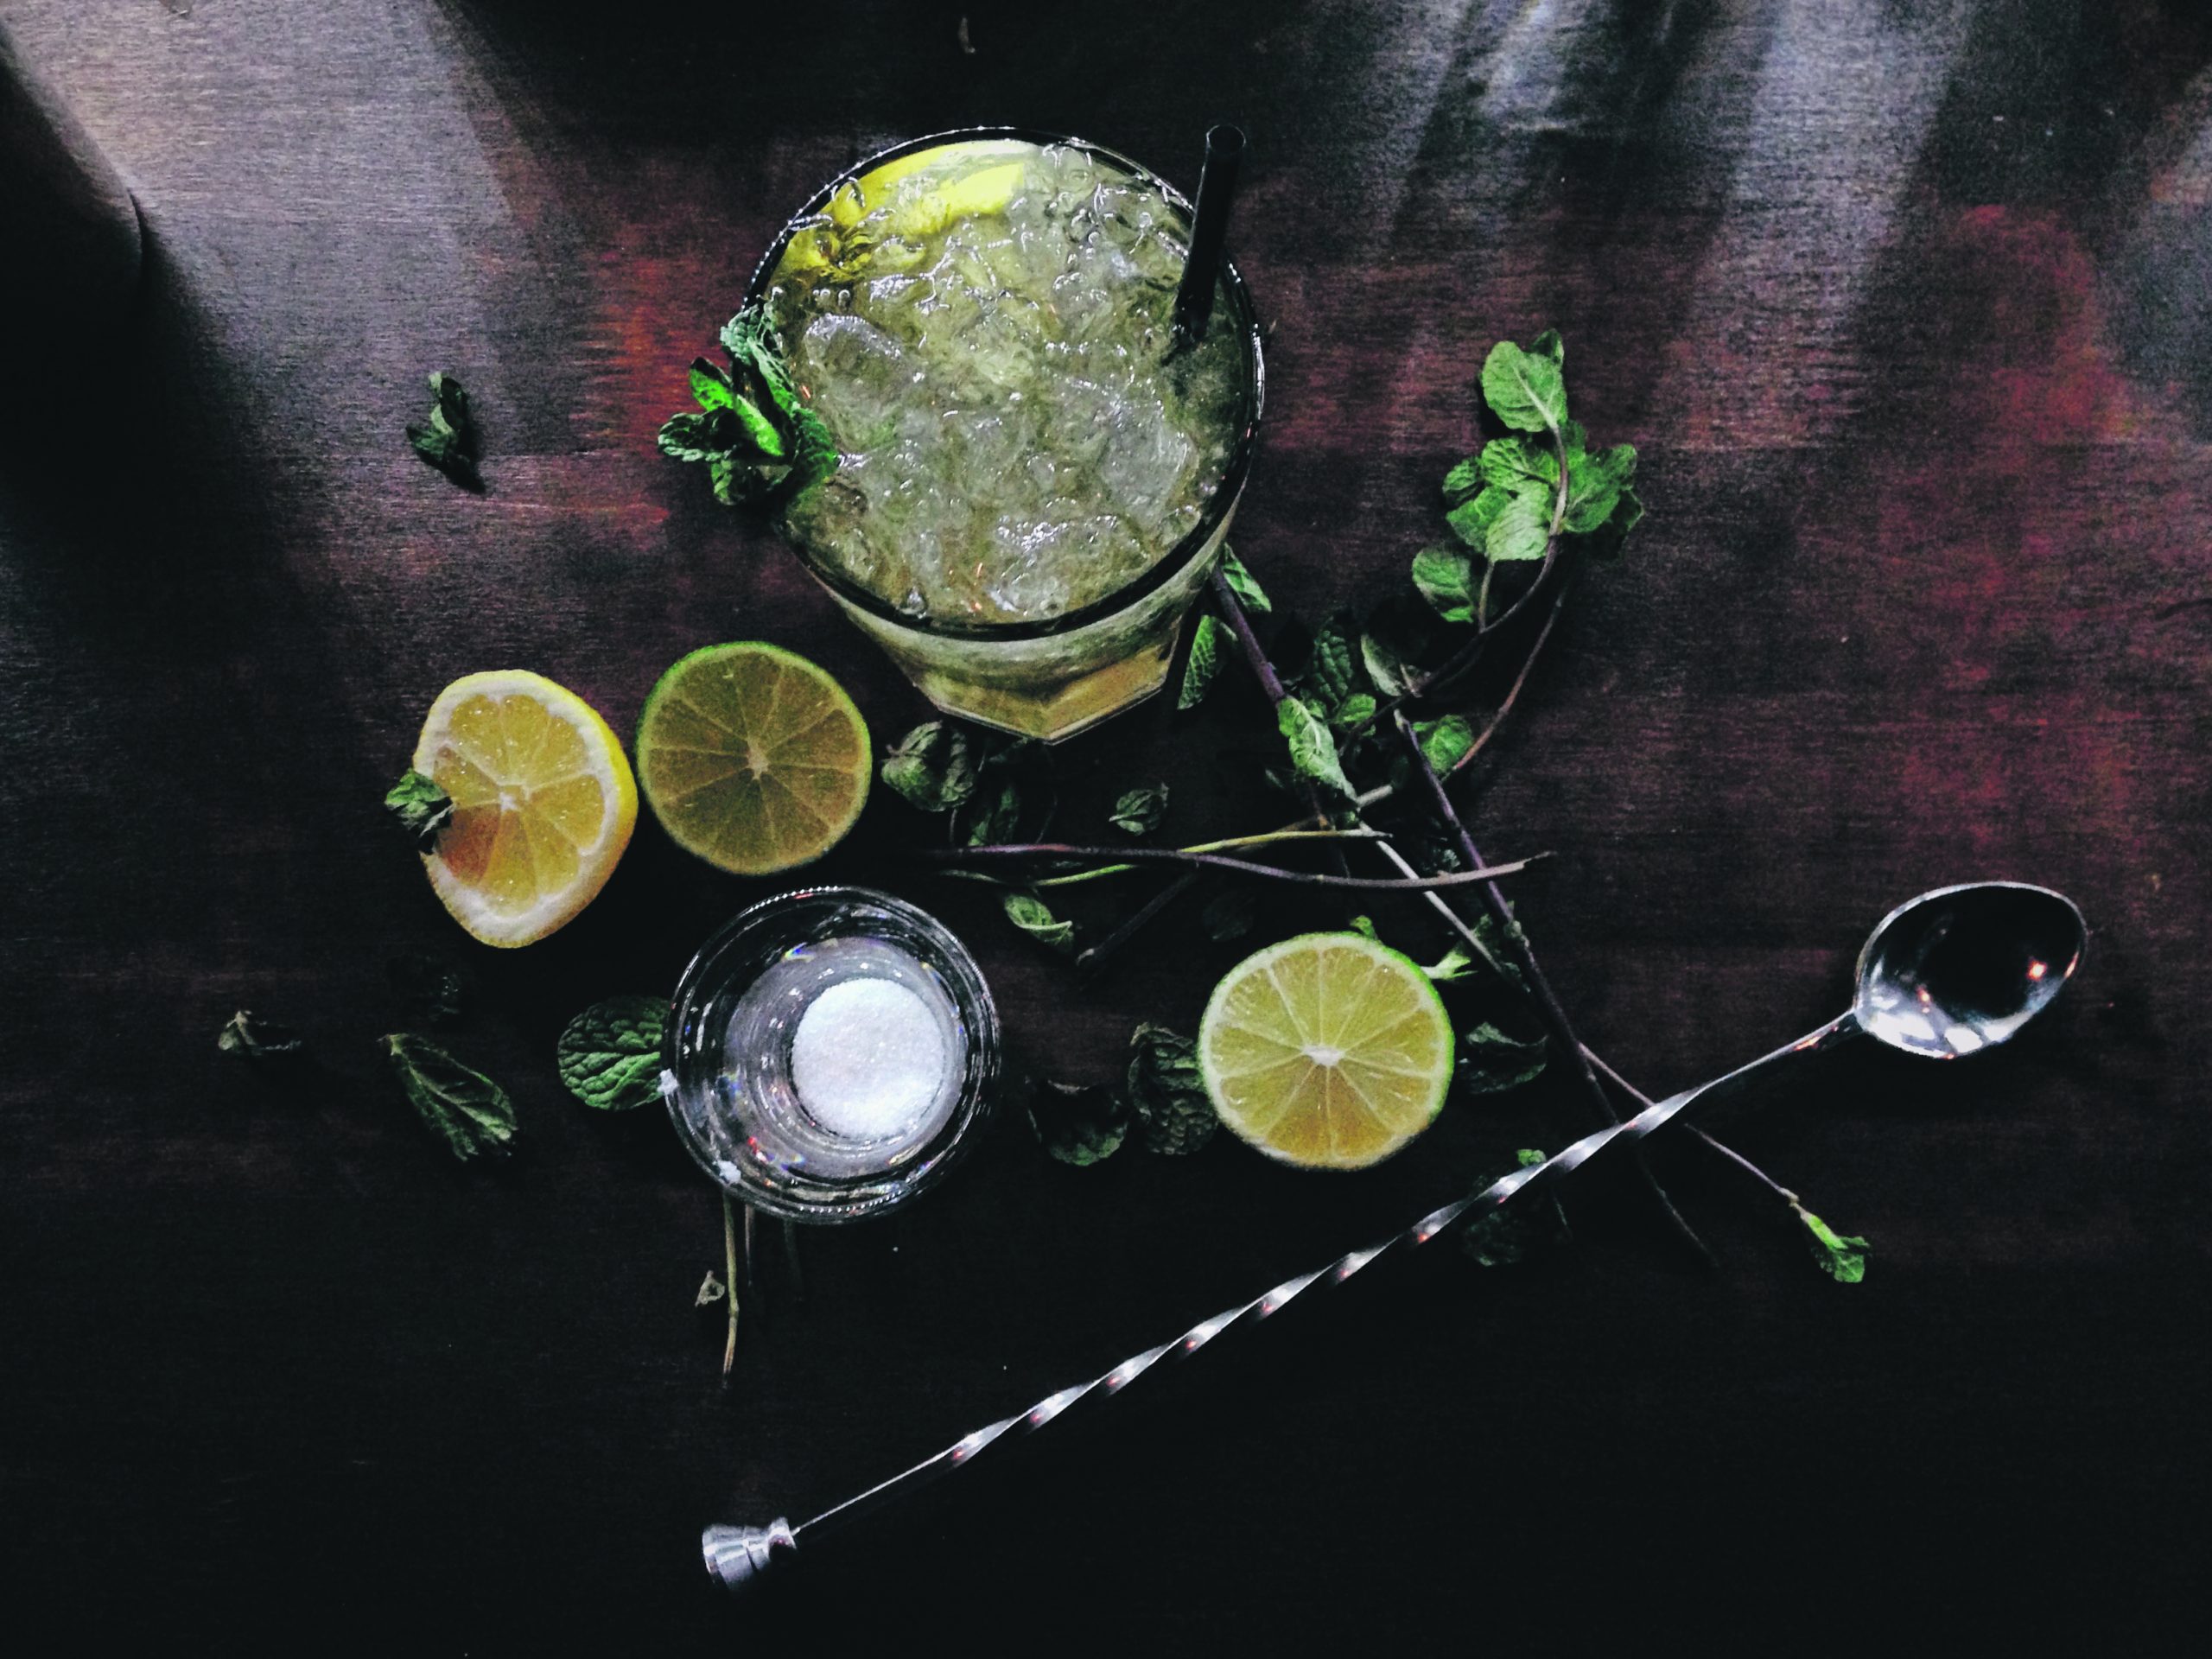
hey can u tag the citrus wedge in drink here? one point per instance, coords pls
(1328, 1051)
(543, 803)
(753, 758)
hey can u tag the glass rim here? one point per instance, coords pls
(808, 1199)
(1171, 564)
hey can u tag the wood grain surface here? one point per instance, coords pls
(1906, 308)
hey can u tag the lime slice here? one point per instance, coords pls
(1328, 1051)
(753, 758)
(543, 803)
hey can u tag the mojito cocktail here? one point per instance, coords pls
(1031, 482)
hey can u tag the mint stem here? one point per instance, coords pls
(1133, 855)
(729, 1273)
(1255, 656)
(1548, 1006)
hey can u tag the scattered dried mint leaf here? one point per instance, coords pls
(934, 767)
(423, 810)
(1455, 964)
(1490, 1062)
(1079, 1124)
(431, 990)
(249, 1037)
(1173, 1113)
(468, 1111)
(1030, 913)
(997, 813)
(1229, 914)
(711, 1290)
(1204, 663)
(1138, 813)
(609, 1055)
(1840, 1256)
(447, 436)
(1248, 592)
(1506, 1233)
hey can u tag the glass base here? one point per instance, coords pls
(1051, 712)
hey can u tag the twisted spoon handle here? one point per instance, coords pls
(735, 1554)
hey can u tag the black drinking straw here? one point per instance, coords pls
(1209, 226)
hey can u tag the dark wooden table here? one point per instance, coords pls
(1906, 309)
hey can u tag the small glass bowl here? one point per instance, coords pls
(729, 1063)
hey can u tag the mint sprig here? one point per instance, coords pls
(422, 809)
(753, 431)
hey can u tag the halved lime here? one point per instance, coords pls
(1328, 1051)
(753, 758)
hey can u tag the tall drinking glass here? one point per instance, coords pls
(1035, 480)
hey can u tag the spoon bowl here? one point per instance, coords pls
(1959, 969)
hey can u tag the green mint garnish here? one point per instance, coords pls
(609, 1055)
(469, 1112)
(423, 810)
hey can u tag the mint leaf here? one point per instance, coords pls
(1357, 709)
(1455, 964)
(1205, 662)
(999, 816)
(1519, 465)
(469, 1112)
(1521, 531)
(1229, 914)
(1472, 519)
(710, 385)
(423, 810)
(447, 436)
(1549, 344)
(1499, 943)
(249, 1037)
(1463, 481)
(1167, 1092)
(609, 1055)
(934, 767)
(1076, 1123)
(1525, 389)
(1843, 1258)
(1594, 483)
(1444, 742)
(1504, 1234)
(1332, 666)
(1446, 578)
(711, 1290)
(760, 431)
(1490, 1062)
(1028, 913)
(1313, 750)
(1139, 811)
(693, 437)
(1401, 634)
(1248, 593)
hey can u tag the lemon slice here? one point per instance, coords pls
(942, 185)
(543, 803)
(1328, 1051)
(753, 758)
